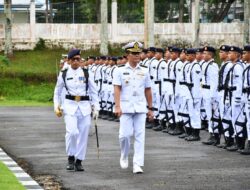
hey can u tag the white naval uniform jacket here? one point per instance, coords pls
(210, 78)
(194, 78)
(76, 84)
(133, 82)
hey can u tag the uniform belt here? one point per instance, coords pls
(105, 82)
(77, 98)
(205, 86)
(172, 80)
(246, 90)
(166, 80)
(233, 88)
(158, 82)
(110, 83)
(183, 83)
(190, 85)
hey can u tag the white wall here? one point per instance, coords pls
(88, 35)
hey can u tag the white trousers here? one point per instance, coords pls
(77, 130)
(133, 124)
(237, 118)
(194, 112)
(247, 110)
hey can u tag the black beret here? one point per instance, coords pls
(152, 49)
(119, 58)
(124, 57)
(103, 57)
(114, 58)
(144, 50)
(199, 50)
(236, 49)
(183, 50)
(91, 57)
(225, 48)
(175, 49)
(210, 49)
(246, 48)
(161, 50)
(73, 53)
(168, 48)
(191, 51)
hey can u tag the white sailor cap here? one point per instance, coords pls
(133, 47)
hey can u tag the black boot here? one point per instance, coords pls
(189, 133)
(105, 115)
(241, 144)
(185, 133)
(71, 162)
(233, 147)
(195, 135)
(229, 142)
(217, 139)
(204, 124)
(167, 128)
(210, 140)
(160, 127)
(149, 125)
(111, 116)
(246, 151)
(156, 124)
(172, 128)
(179, 129)
(78, 166)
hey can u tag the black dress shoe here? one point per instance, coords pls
(78, 166)
(71, 163)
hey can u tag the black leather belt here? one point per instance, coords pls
(183, 83)
(77, 98)
(110, 82)
(233, 88)
(205, 86)
(166, 80)
(105, 82)
(190, 85)
(158, 82)
(246, 90)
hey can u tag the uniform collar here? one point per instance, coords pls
(127, 65)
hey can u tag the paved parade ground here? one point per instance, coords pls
(34, 137)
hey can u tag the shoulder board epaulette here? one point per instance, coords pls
(64, 70)
(143, 66)
(121, 65)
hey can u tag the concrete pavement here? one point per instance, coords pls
(35, 135)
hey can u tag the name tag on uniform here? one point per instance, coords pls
(140, 73)
(70, 78)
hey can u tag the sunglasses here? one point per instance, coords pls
(135, 53)
(76, 59)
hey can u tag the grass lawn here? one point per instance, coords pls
(8, 180)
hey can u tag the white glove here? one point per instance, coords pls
(95, 114)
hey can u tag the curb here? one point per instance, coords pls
(21, 175)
